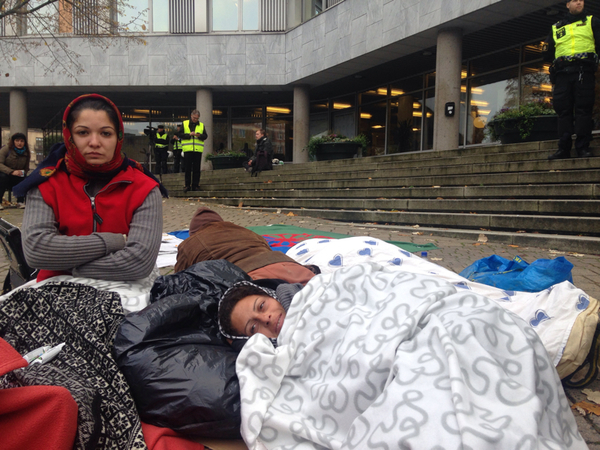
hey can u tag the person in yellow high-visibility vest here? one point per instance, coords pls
(161, 149)
(192, 144)
(571, 48)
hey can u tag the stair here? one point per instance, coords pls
(510, 193)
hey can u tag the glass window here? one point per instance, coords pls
(279, 132)
(532, 51)
(254, 112)
(343, 102)
(407, 85)
(160, 16)
(319, 106)
(311, 8)
(428, 116)
(250, 15)
(319, 124)
(243, 132)
(373, 95)
(343, 122)
(44, 20)
(495, 61)
(535, 83)
(404, 133)
(277, 111)
(488, 95)
(135, 17)
(219, 135)
(372, 124)
(225, 15)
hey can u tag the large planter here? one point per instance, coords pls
(227, 162)
(336, 150)
(544, 129)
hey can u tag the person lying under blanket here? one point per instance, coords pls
(377, 356)
(212, 238)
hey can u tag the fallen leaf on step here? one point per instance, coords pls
(440, 198)
(556, 252)
(580, 410)
(588, 407)
(521, 231)
(290, 214)
(437, 259)
(513, 246)
(593, 396)
(575, 254)
(415, 226)
(484, 229)
(240, 204)
(418, 233)
(476, 244)
(482, 238)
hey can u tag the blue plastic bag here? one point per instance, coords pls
(517, 274)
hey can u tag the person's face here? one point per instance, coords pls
(258, 135)
(575, 6)
(195, 118)
(19, 143)
(95, 136)
(258, 314)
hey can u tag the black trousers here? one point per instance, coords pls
(177, 161)
(8, 182)
(192, 162)
(161, 154)
(574, 103)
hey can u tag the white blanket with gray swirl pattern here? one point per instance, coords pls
(376, 357)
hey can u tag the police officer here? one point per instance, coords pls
(161, 150)
(177, 147)
(192, 144)
(571, 47)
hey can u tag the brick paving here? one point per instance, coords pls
(454, 254)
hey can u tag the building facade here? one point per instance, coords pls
(389, 69)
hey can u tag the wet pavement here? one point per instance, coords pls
(453, 254)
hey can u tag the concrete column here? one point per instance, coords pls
(447, 88)
(18, 111)
(301, 122)
(204, 104)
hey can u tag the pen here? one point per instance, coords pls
(48, 355)
(34, 354)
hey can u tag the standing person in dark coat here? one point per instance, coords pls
(177, 148)
(161, 150)
(571, 48)
(263, 154)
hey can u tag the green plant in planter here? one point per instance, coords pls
(230, 153)
(523, 116)
(315, 141)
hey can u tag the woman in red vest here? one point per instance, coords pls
(91, 212)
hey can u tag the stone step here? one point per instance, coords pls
(569, 225)
(542, 191)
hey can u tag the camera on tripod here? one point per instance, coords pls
(150, 132)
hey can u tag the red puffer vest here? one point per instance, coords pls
(112, 209)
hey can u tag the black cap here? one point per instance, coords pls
(161, 126)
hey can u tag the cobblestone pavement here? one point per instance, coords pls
(454, 254)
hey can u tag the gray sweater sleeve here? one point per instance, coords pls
(98, 255)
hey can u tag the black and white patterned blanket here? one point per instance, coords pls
(86, 319)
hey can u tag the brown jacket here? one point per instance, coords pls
(225, 240)
(10, 161)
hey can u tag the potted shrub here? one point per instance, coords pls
(227, 160)
(335, 146)
(533, 121)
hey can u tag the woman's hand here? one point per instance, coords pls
(18, 173)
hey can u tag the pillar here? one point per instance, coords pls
(301, 122)
(18, 111)
(204, 104)
(447, 88)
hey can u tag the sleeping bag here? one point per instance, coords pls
(180, 368)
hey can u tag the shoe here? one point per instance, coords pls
(195, 188)
(1, 207)
(583, 153)
(21, 205)
(560, 154)
(186, 189)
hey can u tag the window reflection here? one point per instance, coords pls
(279, 131)
(135, 17)
(535, 83)
(250, 15)
(372, 124)
(406, 114)
(243, 132)
(160, 15)
(489, 94)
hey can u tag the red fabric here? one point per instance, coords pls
(34, 416)
(166, 439)
(115, 204)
